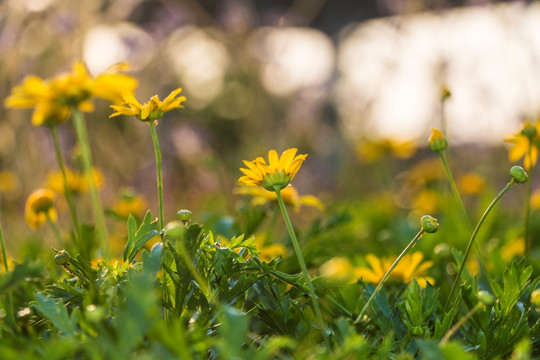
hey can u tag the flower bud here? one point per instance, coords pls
(535, 298)
(184, 215)
(437, 142)
(429, 224)
(529, 130)
(445, 92)
(519, 174)
(62, 258)
(485, 298)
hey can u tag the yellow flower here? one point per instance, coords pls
(278, 173)
(40, 207)
(9, 183)
(77, 182)
(471, 183)
(289, 194)
(130, 203)
(153, 110)
(410, 267)
(369, 151)
(338, 269)
(515, 248)
(53, 99)
(527, 139)
(268, 252)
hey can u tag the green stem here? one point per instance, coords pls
(67, 189)
(528, 239)
(56, 231)
(10, 293)
(159, 173)
(462, 208)
(460, 323)
(314, 298)
(385, 277)
(471, 241)
(86, 157)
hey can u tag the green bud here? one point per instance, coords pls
(485, 298)
(529, 130)
(184, 215)
(429, 224)
(519, 174)
(437, 142)
(535, 297)
(443, 251)
(62, 258)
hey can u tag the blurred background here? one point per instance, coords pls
(355, 84)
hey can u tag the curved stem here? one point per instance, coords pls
(471, 241)
(10, 294)
(385, 277)
(159, 173)
(86, 157)
(67, 188)
(314, 298)
(462, 208)
(460, 323)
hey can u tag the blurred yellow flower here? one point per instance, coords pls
(40, 207)
(9, 182)
(338, 269)
(471, 183)
(513, 249)
(289, 194)
(410, 267)
(77, 182)
(369, 151)
(53, 99)
(153, 110)
(535, 200)
(130, 203)
(527, 139)
(427, 201)
(277, 173)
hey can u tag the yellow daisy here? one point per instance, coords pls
(277, 174)
(527, 139)
(410, 267)
(40, 207)
(152, 110)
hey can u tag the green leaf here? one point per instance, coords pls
(234, 329)
(138, 237)
(56, 314)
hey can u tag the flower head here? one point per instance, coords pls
(152, 110)
(410, 267)
(53, 99)
(40, 207)
(289, 194)
(437, 141)
(278, 173)
(370, 151)
(525, 144)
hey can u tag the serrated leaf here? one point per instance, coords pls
(56, 314)
(138, 237)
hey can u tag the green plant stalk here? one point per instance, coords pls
(157, 150)
(314, 298)
(99, 216)
(460, 323)
(528, 239)
(462, 207)
(10, 293)
(67, 189)
(471, 241)
(385, 277)
(55, 230)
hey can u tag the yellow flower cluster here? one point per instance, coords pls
(77, 182)
(54, 98)
(278, 173)
(525, 144)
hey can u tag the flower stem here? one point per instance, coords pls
(462, 208)
(56, 231)
(67, 189)
(471, 241)
(385, 277)
(10, 294)
(460, 323)
(99, 217)
(528, 239)
(159, 173)
(314, 298)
